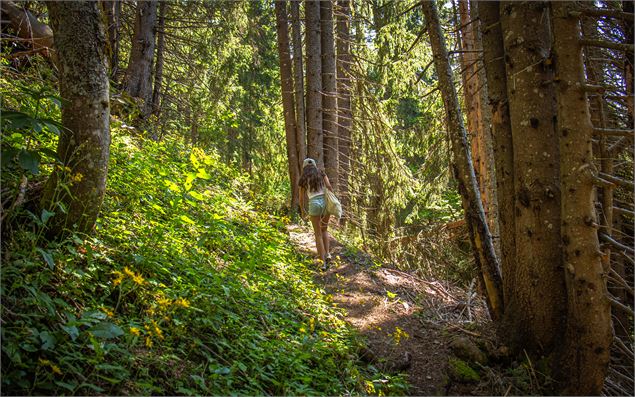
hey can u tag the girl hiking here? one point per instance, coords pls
(315, 182)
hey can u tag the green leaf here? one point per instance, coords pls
(187, 219)
(16, 120)
(46, 215)
(48, 258)
(196, 195)
(29, 161)
(50, 153)
(106, 330)
(68, 386)
(8, 155)
(48, 340)
(72, 331)
(202, 173)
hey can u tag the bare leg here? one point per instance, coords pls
(315, 221)
(324, 224)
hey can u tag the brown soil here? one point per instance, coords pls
(380, 300)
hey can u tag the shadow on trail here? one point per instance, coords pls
(405, 319)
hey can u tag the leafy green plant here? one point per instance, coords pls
(185, 289)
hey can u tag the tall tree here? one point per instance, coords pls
(158, 67)
(298, 80)
(494, 65)
(112, 11)
(314, 81)
(588, 334)
(139, 73)
(286, 81)
(84, 143)
(344, 113)
(479, 115)
(536, 308)
(480, 237)
(329, 93)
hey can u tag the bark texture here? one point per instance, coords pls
(344, 113)
(158, 69)
(481, 239)
(329, 94)
(535, 310)
(588, 334)
(139, 73)
(494, 65)
(314, 82)
(286, 81)
(298, 80)
(478, 114)
(112, 11)
(84, 144)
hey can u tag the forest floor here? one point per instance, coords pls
(413, 326)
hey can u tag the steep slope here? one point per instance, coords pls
(185, 288)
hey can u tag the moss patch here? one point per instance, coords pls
(461, 371)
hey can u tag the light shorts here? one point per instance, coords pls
(317, 205)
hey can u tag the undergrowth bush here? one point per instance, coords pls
(183, 289)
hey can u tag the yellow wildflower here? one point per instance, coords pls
(148, 341)
(77, 177)
(135, 331)
(157, 330)
(42, 361)
(182, 302)
(56, 369)
(128, 271)
(138, 279)
(163, 301)
(108, 312)
(118, 278)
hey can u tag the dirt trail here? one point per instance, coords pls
(380, 301)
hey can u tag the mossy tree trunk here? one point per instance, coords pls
(84, 143)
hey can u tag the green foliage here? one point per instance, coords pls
(184, 289)
(462, 371)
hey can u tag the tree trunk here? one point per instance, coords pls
(588, 334)
(536, 308)
(84, 143)
(298, 75)
(139, 73)
(344, 114)
(286, 82)
(314, 81)
(329, 94)
(478, 114)
(112, 11)
(481, 239)
(158, 74)
(493, 60)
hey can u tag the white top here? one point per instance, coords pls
(316, 193)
